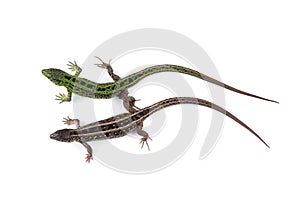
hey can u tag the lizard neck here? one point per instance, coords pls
(65, 135)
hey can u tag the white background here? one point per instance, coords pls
(255, 46)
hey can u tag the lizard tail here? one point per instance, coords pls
(136, 77)
(191, 100)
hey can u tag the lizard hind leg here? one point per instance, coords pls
(89, 155)
(109, 69)
(129, 104)
(128, 101)
(144, 134)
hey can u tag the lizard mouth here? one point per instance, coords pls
(45, 73)
(53, 75)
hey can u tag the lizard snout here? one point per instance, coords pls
(46, 73)
(62, 135)
(54, 136)
(54, 75)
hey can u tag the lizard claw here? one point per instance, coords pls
(144, 140)
(67, 120)
(73, 66)
(62, 98)
(103, 64)
(88, 158)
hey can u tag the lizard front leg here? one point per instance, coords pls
(69, 121)
(74, 68)
(76, 122)
(68, 97)
(63, 97)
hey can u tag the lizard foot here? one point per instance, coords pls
(62, 98)
(88, 158)
(103, 64)
(144, 140)
(132, 101)
(73, 66)
(69, 121)
(129, 104)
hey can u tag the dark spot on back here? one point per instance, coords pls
(100, 89)
(136, 76)
(117, 133)
(122, 83)
(89, 86)
(82, 83)
(111, 126)
(67, 77)
(107, 134)
(113, 87)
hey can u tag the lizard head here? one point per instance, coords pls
(63, 135)
(54, 75)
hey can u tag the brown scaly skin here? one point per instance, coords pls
(120, 125)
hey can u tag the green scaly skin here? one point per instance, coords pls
(86, 88)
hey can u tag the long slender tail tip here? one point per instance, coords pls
(270, 100)
(274, 101)
(266, 144)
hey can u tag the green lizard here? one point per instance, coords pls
(86, 88)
